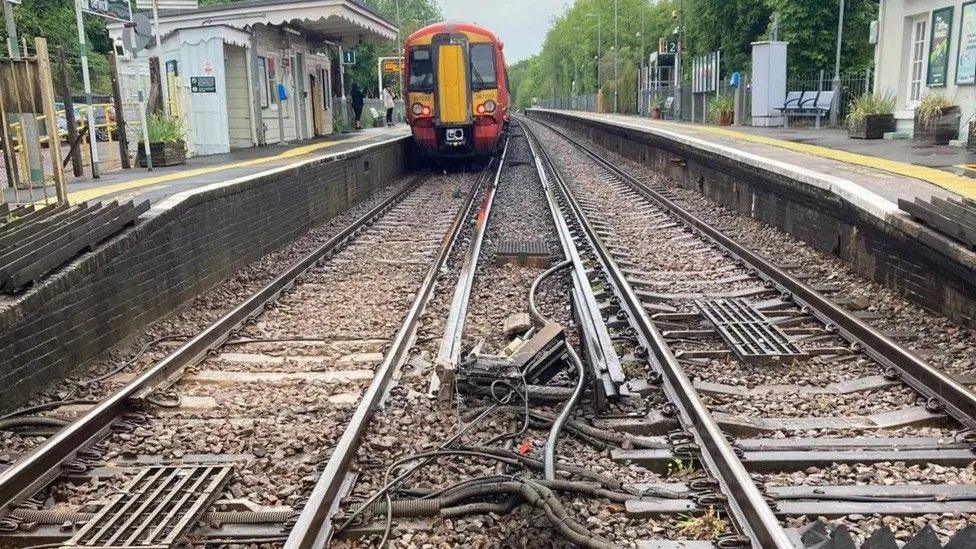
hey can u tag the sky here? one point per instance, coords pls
(520, 24)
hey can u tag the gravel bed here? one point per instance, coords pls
(653, 248)
(187, 320)
(411, 422)
(286, 427)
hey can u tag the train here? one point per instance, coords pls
(456, 89)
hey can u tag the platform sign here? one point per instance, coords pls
(167, 4)
(109, 9)
(668, 45)
(203, 84)
(348, 57)
(392, 66)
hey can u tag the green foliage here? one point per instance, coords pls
(413, 15)
(868, 104)
(55, 21)
(929, 109)
(729, 26)
(721, 106)
(164, 129)
(810, 26)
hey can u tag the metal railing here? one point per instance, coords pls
(688, 107)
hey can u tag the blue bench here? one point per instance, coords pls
(807, 104)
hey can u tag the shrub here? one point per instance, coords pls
(868, 104)
(721, 106)
(164, 129)
(929, 110)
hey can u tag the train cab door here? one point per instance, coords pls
(452, 91)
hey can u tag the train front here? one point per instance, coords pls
(457, 95)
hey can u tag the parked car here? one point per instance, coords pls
(101, 119)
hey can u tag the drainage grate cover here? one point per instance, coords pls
(750, 334)
(155, 509)
(531, 253)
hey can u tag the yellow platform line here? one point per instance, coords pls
(958, 184)
(91, 194)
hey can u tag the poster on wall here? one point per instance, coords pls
(966, 63)
(111, 9)
(939, 47)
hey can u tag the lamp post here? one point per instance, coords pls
(599, 47)
(616, 58)
(840, 35)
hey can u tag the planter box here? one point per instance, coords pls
(656, 113)
(724, 120)
(942, 131)
(874, 126)
(163, 154)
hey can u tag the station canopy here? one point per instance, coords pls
(346, 22)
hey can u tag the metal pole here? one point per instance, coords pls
(840, 36)
(86, 78)
(342, 84)
(164, 82)
(678, 59)
(8, 15)
(616, 57)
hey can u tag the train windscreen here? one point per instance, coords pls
(421, 71)
(483, 76)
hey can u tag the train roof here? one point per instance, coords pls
(452, 26)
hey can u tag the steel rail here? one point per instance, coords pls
(957, 400)
(450, 350)
(42, 465)
(313, 527)
(596, 340)
(750, 509)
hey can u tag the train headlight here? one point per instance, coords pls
(490, 106)
(480, 109)
(426, 111)
(417, 109)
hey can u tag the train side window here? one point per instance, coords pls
(421, 70)
(483, 75)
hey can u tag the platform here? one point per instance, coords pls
(139, 184)
(870, 175)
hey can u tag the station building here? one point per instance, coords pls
(927, 45)
(250, 73)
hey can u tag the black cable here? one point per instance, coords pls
(549, 451)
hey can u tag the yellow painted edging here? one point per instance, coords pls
(91, 194)
(956, 183)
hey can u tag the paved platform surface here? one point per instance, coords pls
(874, 181)
(139, 184)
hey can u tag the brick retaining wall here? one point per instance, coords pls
(187, 245)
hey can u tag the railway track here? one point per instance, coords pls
(759, 364)
(239, 419)
(553, 353)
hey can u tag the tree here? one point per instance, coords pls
(55, 21)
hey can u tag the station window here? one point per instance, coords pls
(421, 71)
(483, 75)
(263, 79)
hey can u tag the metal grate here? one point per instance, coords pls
(748, 331)
(155, 510)
(532, 253)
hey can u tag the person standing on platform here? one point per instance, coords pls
(357, 104)
(389, 103)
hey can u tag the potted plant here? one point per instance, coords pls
(936, 120)
(656, 105)
(167, 142)
(870, 116)
(720, 109)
